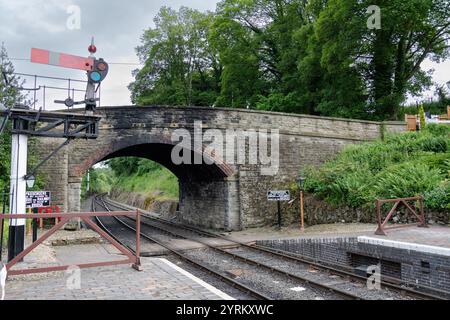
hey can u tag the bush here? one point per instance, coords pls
(438, 198)
(438, 130)
(406, 180)
(435, 144)
(402, 165)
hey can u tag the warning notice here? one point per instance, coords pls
(38, 199)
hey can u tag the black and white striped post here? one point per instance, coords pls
(18, 186)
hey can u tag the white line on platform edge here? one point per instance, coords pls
(406, 245)
(207, 286)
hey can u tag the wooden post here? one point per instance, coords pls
(28, 224)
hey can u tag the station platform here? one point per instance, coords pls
(433, 236)
(418, 257)
(160, 279)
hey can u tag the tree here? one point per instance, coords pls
(9, 95)
(422, 118)
(256, 43)
(304, 56)
(386, 61)
(180, 68)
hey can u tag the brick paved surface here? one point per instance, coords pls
(159, 281)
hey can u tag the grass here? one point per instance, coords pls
(156, 181)
(161, 182)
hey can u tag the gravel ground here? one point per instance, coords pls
(210, 279)
(335, 281)
(276, 286)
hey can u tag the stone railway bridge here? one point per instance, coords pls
(222, 195)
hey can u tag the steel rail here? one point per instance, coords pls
(233, 283)
(290, 256)
(293, 257)
(312, 283)
(102, 225)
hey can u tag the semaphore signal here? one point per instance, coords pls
(27, 122)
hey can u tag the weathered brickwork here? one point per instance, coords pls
(412, 267)
(224, 196)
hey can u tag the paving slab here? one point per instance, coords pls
(159, 280)
(436, 236)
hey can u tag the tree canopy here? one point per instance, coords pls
(303, 56)
(8, 97)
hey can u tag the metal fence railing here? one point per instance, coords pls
(131, 257)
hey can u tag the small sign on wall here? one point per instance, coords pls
(38, 199)
(284, 195)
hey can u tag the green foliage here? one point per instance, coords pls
(422, 117)
(101, 180)
(402, 165)
(161, 182)
(406, 180)
(438, 130)
(439, 198)
(314, 56)
(181, 67)
(130, 174)
(144, 176)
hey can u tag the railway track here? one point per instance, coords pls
(226, 279)
(388, 283)
(315, 287)
(344, 284)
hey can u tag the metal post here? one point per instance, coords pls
(18, 189)
(380, 231)
(34, 93)
(35, 227)
(137, 265)
(279, 214)
(43, 101)
(88, 178)
(28, 223)
(302, 212)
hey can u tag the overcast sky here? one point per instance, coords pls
(116, 25)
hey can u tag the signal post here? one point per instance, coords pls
(27, 122)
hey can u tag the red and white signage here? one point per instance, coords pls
(61, 59)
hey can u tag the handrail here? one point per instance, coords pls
(398, 202)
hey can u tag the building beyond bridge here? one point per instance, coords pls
(222, 195)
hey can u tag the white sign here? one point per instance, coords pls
(38, 199)
(279, 195)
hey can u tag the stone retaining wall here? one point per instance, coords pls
(320, 212)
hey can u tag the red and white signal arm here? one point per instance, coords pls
(61, 59)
